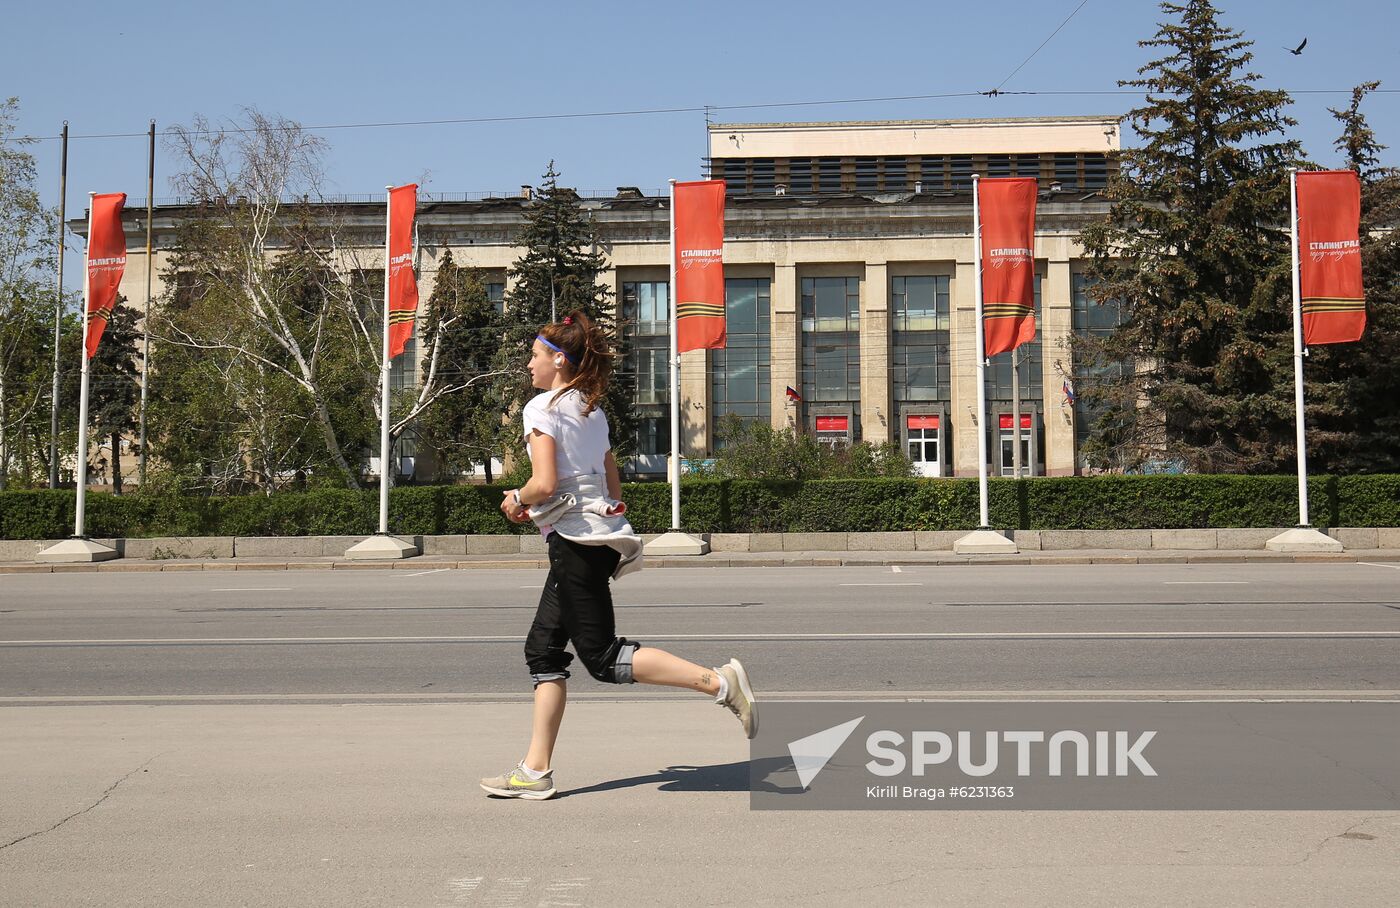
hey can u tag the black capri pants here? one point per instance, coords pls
(576, 607)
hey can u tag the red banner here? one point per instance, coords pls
(699, 242)
(106, 260)
(403, 286)
(1329, 256)
(1007, 208)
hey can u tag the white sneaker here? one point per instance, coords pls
(739, 700)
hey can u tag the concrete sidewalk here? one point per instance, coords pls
(721, 559)
(377, 805)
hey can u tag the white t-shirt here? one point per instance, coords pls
(581, 442)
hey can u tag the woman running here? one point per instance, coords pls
(573, 496)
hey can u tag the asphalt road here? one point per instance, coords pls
(860, 630)
(314, 738)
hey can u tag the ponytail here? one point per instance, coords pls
(586, 347)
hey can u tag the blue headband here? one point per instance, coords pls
(544, 340)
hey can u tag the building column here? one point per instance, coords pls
(962, 353)
(695, 403)
(876, 417)
(608, 279)
(1056, 330)
(785, 345)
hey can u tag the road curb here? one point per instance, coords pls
(734, 560)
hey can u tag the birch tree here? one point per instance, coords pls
(299, 280)
(255, 246)
(27, 248)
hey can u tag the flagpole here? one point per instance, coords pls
(58, 306)
(384, 379)
(675, 380)
(1299, 351)
(1016, 411)
(146, 322)
(981, 358)
(81, 509)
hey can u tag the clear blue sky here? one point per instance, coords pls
(111, 67)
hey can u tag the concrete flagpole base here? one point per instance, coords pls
(76, 550)
(1303, 539)
(381, 548)
(985, 542)
(677, 543)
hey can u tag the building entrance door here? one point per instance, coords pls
(1029, 454)
(923, 440)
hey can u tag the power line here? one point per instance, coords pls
(997, 90)
(658, 111)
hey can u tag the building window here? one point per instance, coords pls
(735, 173)
(1090, 318)
(919, 338)
(829, 175)
(404, 455)
(1067, 169)
(1095, 171)
(646, 321)
(999, 368)
(830, 304)
(1026, 165)
(367, 290)
(763, 176)
(831, 345)
(800, 175)
(645, 307)
(960, 173)
(496, 294)
(867, 175)
(999, 389)
(740, 377)
(933, 173)
(896, 175)
(403, 372)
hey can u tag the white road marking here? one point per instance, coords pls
(435, 571)
(253, 589)
(1393, 567)
(893, 635)
(1201, 582)
(948, 696)
(462, 889)
(880, 584)
(896, 569)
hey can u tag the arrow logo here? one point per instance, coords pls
(811, 754)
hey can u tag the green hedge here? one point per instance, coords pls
(741, 506)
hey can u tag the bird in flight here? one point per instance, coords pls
(1297, 51)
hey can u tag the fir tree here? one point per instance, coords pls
(114, 384)
(559, 272)
(462, 428)
(1353, 390)
(1196, 247)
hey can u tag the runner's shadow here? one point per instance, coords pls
(720, 777)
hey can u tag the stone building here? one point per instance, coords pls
(848, 262)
